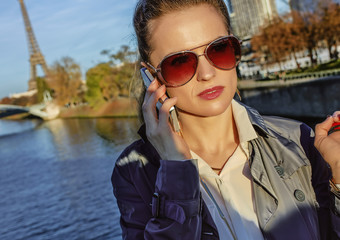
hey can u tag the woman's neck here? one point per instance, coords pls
(214, 135)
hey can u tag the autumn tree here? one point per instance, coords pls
(65, 81)
(272, 41)
(330, 26)
(307, 23)
(285, 36)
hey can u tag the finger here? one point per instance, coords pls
(164, 111)
(149, 106)
(336, 116)
(151, 93)
(157, 95)
(152, 87)
(322, 129)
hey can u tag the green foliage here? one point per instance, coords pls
(41, 87)
(335, 64)
(110, 80)
(122, 56)
(94, 77)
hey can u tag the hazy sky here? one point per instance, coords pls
(80, 29)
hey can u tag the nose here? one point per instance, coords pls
(205, 71)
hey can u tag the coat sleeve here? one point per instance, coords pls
(170, 209)
(329, 204)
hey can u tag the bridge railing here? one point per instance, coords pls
(292, 80)
(319, 74)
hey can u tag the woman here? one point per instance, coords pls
(229, 173)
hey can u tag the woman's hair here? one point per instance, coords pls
(147, 10)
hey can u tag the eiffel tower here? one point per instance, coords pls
(36, 57)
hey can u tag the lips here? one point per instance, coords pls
(211, 93)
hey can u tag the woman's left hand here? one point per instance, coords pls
(329, 145)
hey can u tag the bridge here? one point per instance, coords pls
(45, 111)
(9, 110)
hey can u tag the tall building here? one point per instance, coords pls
(303, 5)
(247, 16)
(310, 5)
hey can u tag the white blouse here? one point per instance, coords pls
(232, 189)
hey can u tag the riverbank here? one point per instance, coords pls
(122, 107)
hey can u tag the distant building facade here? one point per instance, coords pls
(303, 5)
(309, 5)
(247, 16)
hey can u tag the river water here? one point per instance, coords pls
(55, 178)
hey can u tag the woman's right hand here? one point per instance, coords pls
(169, 144)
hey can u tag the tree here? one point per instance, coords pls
(42, 87)
(272, 41)
(330, 26)
(123, 55)
(65, 81)
(304, 29)
(307, 23)
(110, 80)
(99, 84)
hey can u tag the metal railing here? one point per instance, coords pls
(319, 74)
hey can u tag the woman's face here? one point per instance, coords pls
(210, 91)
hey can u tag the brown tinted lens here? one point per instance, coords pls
(179, 68)
(224, 53)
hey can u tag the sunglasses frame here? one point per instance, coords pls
(158, 70)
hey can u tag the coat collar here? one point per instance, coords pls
(257, 121)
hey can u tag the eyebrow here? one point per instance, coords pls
(202, 45)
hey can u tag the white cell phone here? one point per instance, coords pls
(147, 79)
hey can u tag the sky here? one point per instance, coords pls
(80, 29)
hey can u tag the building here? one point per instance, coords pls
(247, 16)
(303, 5)
(309, 5)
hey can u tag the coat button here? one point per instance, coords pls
(299, 195)
(279, 170)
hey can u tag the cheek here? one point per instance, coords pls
(184, 96)
(180, 92)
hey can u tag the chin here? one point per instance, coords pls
(211, 110)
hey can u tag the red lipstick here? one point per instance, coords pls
(211, 93)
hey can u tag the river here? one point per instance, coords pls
(55, 178)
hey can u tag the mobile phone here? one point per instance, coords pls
(147, 79)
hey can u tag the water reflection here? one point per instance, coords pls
(8, 127)
(117, 131)
(55, 179)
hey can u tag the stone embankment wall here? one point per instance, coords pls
(316, 98)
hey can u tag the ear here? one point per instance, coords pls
(147, 66)
(144, 64)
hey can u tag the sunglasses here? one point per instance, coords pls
(179, 68)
